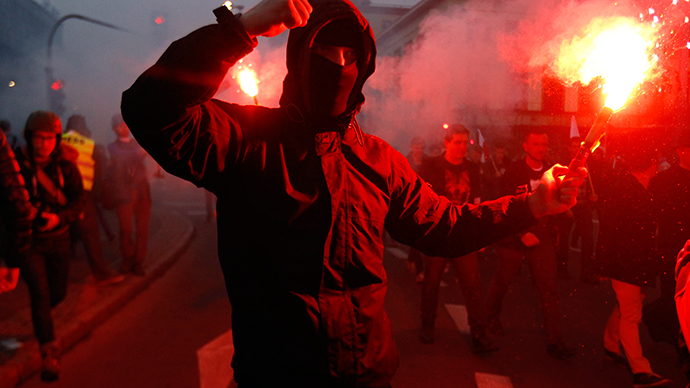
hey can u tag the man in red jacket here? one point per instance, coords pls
(304, 196)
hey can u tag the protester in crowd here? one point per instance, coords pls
(13, 140)
(682, 299)
(626, 254)
(304, 196)
(417, 153)
(416, 157)
(494, 169)
(130, 185)
(90, 159)
(535, 245)
(474, 154)
(16, 215)
(55, 189)
(456, 178)
(581, 216)
(671, 192)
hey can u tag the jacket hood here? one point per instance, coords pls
(295, 98)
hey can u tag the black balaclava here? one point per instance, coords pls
(330, 84)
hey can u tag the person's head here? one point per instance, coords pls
(475, 153)
(78, 123)
(328, 62)
(499, 149)
(574, 146)
(417, 146)
(456, 142)
(6, 126)
(43, 131)
(333, 67)
(119, 127)
(536, 145)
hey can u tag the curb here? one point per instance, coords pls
(27, 361)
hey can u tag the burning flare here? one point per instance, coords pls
(616, 50)
(248, 82)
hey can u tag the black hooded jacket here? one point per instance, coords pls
(302, 207)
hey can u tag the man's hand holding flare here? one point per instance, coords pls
(555, 192)
(272, 17)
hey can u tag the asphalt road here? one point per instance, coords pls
(155, 340)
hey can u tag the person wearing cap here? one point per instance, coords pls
(130, 184)
(304, 195)
(55, 189)
(90, 161)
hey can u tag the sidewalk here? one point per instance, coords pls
(86, 305)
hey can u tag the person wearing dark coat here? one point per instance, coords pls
(304, 196)
(130, 184)
(671, 191)
(457, 178)
(534, 246)
(16, 215)
(55, 190)
(626, 254)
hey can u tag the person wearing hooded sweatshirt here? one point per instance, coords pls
(55, 190)
(91, 160)
(304, 196)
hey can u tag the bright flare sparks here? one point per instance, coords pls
(249, 82)
(615, 49)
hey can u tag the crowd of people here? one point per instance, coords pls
(305, 199)
(638, 199)
(56, 185)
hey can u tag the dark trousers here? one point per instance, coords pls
(46, 273)
(584, 228)
(417, 258)
(583, 220)
(88, 232)
(542, 262)
(565, 227)
(467, 270)
(135, 212)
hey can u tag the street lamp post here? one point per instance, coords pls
(56, 95)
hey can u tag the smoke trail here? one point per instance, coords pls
(454, 66)
(470, 59)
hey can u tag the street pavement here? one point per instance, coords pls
(522, 361)
(87, 305)
(190, 300)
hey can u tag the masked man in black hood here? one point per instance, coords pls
(304, 196)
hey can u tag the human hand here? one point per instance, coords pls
(272, 17)
(51, 221)
(9, 277)
(529, 239)
(555, 192)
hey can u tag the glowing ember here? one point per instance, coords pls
(614, 50)
(249, 82)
